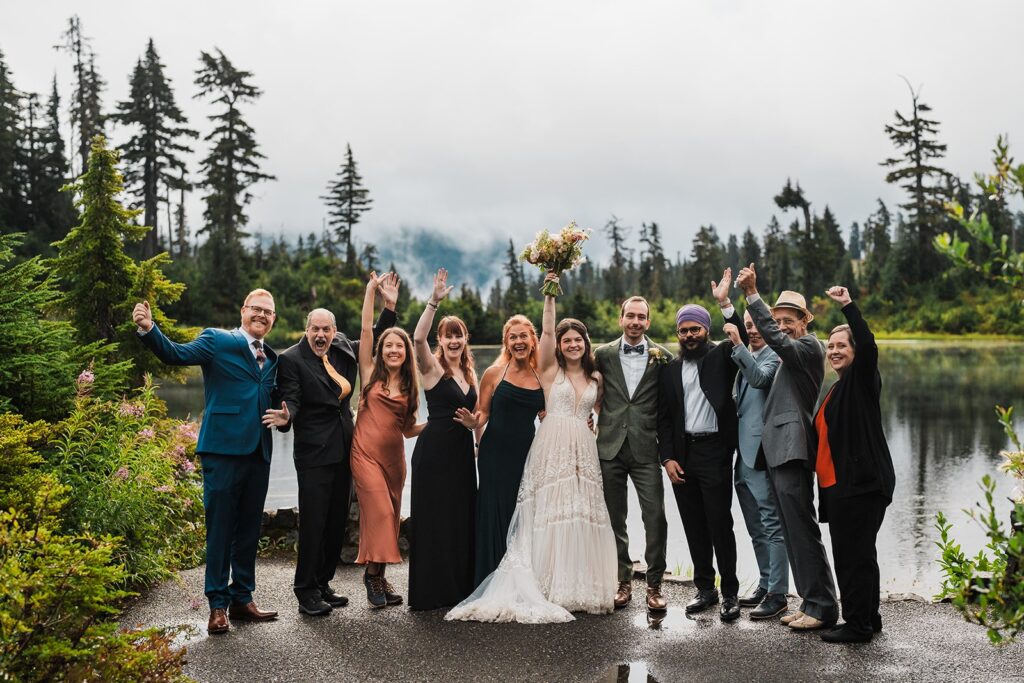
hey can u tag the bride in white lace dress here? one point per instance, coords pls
(561, 554)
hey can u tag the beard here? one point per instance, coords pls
(702, 348)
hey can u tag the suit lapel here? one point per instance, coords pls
(676, 368)
(617, 377)
(315, 365)
(647, 368)
(247, 354)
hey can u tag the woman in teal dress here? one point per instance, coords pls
(510, 398)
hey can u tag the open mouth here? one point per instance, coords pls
(320, 344)
(519, 348)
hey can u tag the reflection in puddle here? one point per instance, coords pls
(665, 621)
(630, 672)
(188, 633)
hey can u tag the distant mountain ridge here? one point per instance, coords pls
(418, 252)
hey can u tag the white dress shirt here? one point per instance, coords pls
(633, 365)
(700, 416)
(249, 340)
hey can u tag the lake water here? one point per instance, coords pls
(937, 408)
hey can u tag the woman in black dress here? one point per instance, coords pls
(443, 472)
(510, 398)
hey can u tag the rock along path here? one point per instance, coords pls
(920, 641)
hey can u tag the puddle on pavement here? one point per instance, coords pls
(189, 634)
(630, 672)
(669, 620)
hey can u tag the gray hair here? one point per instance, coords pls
(309, 316)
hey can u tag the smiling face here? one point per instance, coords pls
(572, 345)
(392, 349)
(790, 321)
(320, 330)
(840, 351)
(258, 314)
(756, 340)
(519, 341)
(635, 320)
(452, 341)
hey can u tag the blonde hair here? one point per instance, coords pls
(255, 293)
(505, 357)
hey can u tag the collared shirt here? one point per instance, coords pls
(700, 416)
(249, 339)
(633, 365)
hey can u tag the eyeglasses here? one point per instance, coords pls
(695, 330)
(259, 310)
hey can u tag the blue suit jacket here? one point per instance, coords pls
(750, 396)
(236, 390)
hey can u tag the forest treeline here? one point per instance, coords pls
(887, 255)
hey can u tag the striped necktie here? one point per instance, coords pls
(342, 383)
(260, 356)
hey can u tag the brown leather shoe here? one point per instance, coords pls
(655, 600)
(623, 595)
(249, 612)
(218, 621)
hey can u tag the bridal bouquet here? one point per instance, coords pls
(558, 253)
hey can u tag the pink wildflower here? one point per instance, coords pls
(122, 473)
(131, 409)
(163, 488)
(86, 377)
(146, 434)
(188, 431)
(188, 467)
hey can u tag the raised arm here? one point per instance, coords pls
(366, 330)
(758, 375)
(863, 339)
(546, 348)
(429, 367)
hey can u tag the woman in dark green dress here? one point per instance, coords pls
(510, 398)
(443, 493)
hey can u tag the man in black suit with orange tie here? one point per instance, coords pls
(315, 380)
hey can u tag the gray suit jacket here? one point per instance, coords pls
(750, 395)
(622, 416)
(789, 410)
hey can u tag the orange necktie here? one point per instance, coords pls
(343, 383)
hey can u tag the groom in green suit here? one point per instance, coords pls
(627, 444)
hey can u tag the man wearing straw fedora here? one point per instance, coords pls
(788, 445)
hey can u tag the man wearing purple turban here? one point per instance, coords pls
(697, 434)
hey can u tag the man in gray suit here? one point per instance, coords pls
(627, 444)
(788, 446)
(758, 365)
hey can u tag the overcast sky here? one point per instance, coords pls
(485, 119)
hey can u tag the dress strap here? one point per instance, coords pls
(507, 365)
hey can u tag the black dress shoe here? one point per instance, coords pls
(755, 598)
(314, 606)
(332, 598)
(845, 634)
(730, 608)
(703, 600)
(773, 605)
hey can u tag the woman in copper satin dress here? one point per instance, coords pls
(387, 416)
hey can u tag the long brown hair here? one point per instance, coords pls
(407, 373)
(587, 361)
(505, 357)
(451, 323)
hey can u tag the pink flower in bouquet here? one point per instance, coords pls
(556, 253)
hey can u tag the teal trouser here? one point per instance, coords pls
(647, 480)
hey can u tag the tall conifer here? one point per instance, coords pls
(86, 102)
(348, 201)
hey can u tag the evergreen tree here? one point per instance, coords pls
(369, 256)
(12, 198)
(750, 250)
(615, 274)
(100, 282)
(853, 246)
(918, 175)
(348, 200)
(228, 171)
(516, 295)
(876, 245)
(86, 103)
(50, 212)
(775, 274)
(651, 277)
(707, 260)
(732, 254)
(152, 154)
(829, 254)
(802, 245)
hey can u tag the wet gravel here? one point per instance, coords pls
(920, 641)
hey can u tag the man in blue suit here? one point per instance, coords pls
(238, 376)
(757, 371)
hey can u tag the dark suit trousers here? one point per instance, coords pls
(705, 506)
(854, 523)
(234, 492)
(793, 486)
(324, 496)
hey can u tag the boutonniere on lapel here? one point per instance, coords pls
(656, 356)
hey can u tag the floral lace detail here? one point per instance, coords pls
(561, 553)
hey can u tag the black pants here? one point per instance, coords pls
(705, 506)
(324, 496)
(854, 523)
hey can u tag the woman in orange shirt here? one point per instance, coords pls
(854, 468)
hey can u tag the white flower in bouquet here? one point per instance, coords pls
(556, 253)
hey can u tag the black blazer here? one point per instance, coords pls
(323, 424)
(860, 452)
(717, 373)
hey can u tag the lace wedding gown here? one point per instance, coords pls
(561, 554)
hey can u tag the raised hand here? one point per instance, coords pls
(142, 316)
(441, 288)
(467, 419)
(373, 282)
(747, 280)
(840, 295)
(733, 333)
(277, 418)
(388, 285)
(720, 289)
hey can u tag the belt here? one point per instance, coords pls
(693, 437)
